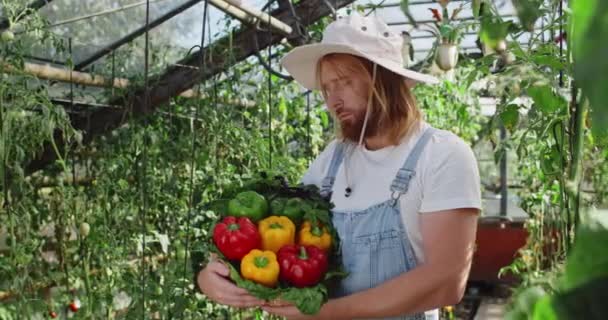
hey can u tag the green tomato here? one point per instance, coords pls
(7, 36)
(180, 254)
(249, 204)
(85, 229)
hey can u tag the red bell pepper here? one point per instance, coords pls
(235, 237)
(302, 266)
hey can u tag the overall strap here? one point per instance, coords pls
(401, 182)
(336, 160)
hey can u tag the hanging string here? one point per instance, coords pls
(4, 162)
(85, 252)
(269, 92)
(113, 71)
(5, 139)
(558, 222)
(201, 67)
(561, 42)
(65, 265)
(73, 164)
(72, 103)
(144, 157)
(215, 106)
(308, 124)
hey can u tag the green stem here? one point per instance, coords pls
(563, 196)
(260, 262)
(575, 175)
(316, 231)
(6, 204)
(276, 225)
(303, 255)
(85, 270)
(60, 158)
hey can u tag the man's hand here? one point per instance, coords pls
(289, 312)
(214, 284)
(292, 313)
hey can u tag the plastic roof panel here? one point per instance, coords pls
(94, 24)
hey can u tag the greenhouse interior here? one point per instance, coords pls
(147, 144)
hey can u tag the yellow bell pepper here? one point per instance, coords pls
(276, 231)
(317, 235)
(260, 267)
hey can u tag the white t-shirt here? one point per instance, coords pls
(447, 177)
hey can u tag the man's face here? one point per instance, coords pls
(346, 93)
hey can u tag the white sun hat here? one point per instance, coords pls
(366, 37)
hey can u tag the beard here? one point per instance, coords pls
(351, 129)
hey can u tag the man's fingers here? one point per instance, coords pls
(219, 268)
(278, 303)
(278, 311)
(234, 291)
(241, 302)
(229, 289)
(225, 291)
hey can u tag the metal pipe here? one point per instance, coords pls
(48, 72)
(249, 14)
(401, 23)
(397, 4)
(42, 59)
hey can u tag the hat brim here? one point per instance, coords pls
(302, 62)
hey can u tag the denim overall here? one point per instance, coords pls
(374, 244)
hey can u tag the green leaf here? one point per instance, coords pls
(510, 116)
(528, 11)
(339, 273)
(324, 119)
(526, 300)
(590, 49)
(405, 8)
(588, 259)
(476, 6)
(493, 30)
(550, 162)
(544, 99)
(283, 108)
(307, 300)
(549, 60)
(543, 309)
(585, 302)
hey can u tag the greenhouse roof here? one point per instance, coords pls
(107, 38)
(97, 27)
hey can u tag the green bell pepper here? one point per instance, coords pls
(248, 204)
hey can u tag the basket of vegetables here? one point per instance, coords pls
(279, 242)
